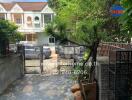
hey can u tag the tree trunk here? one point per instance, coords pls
(94, 59)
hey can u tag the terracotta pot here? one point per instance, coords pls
(89, 90)
(78, 95)
(75, 88)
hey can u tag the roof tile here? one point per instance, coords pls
(26, 6)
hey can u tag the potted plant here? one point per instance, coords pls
(86, 79)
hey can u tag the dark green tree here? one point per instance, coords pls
(126, 19)
(8, 33)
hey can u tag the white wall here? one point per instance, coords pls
(43, 39)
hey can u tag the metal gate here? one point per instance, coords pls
(61, 61)
(33, 59)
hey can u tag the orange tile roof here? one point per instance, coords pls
(26, 6)
(7, 6)
(32, 6)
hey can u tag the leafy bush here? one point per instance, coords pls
(8, 33)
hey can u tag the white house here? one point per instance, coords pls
(31, 17)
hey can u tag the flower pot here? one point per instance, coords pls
(75, 88)
(78, 95)
(89, 90)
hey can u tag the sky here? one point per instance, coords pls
(23, 0)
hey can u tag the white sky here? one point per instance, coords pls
(10, 0)
(22, 0)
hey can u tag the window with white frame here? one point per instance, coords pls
(51, 40)
(29, 21)
(18, 21)
(47, 18)
(36, 23)
(36, 18)
(2, 16)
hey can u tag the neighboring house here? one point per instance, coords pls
(31, 17)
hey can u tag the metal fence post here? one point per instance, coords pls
(41, 58)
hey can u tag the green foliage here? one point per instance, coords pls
(8, 30)
(119, 28)
(58, 30)
(16, 37)
(81, 16)
(8, 33)
(126, 19)
(80, 21)
(86, 54)
(76, 20)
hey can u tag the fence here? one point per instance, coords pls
(115, 75)
(120, 74)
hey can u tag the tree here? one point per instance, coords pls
(79, 21)
(126, 19)
(8, 33)
(119, 28)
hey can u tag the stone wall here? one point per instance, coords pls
(11, 68)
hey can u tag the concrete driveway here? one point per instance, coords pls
(46, 86)
(40, 87)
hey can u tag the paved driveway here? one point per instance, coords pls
(40, 87)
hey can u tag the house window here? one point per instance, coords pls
(30, 37)
(29, 21)
(47, 18)
(51, 40)
(29, 18)
(2, 16)
(37, 25)
(18, 21)
(36, 18)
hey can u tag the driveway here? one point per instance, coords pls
(40, 87)
(46, 86)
